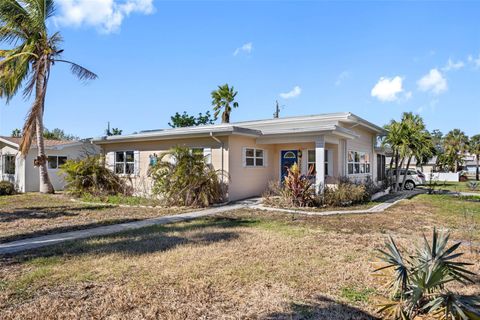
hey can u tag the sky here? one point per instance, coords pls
(155, 58)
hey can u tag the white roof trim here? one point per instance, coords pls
(248, 128)
(13, 144)
(34, 146)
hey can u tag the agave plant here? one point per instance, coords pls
(419, 283)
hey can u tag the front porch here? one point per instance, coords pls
(321, 157)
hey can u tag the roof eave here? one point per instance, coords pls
(10, 143)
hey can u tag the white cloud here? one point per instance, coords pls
(295, 92)
(341, 77)
(452, 65)
(105, 15)
(246, 48)
(475, 61)
(434, 81)
(388, 89)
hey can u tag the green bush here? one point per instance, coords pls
(89, 175)
(6, 188)
(183, 178)
(345, 193)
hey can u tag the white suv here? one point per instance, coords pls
(414, 178)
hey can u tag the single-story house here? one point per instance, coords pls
(253, 153)
(22, 172)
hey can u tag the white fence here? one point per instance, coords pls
(443, 176)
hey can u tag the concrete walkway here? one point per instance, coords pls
(51, 239)
(254, 203)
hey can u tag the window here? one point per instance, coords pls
(9, 164)
(205, 152)
(254, 157)
(124, 162)
(380, 167)
(54, 162)
(358, 162)
(311, 162)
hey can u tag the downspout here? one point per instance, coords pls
(222, 148)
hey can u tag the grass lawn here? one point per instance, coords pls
(457, 186)
(245, 264)
(33, 214)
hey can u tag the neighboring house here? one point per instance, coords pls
(469, 164)
(253, 153)
(22, 172)
(428, 167)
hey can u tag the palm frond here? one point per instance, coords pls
(395, 260)
(79, 71)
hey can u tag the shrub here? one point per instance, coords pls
(6, 188)
(418, 282)
(472, 185)
(186, 180)
(298, 190)
(345, 193)
(90, 176)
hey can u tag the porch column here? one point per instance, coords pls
(320, 164)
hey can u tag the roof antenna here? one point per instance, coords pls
(276, 114)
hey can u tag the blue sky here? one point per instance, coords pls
(374, 59)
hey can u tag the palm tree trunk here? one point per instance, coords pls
(397, 172)
(41, 161)
(406, 171)
(45, 183)
(478, 165)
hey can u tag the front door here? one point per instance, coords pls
(288, 158)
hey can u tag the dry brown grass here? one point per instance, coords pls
(34, 214)
(241, 265)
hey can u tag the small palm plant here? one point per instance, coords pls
(182, 177)
(473, 185)
(419, 284)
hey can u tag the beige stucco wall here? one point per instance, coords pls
(141, 183)
(249, 181)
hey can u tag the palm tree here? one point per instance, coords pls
(27, 63)
(393, 141)
(417, 141)
(474, 148)
(223, 99)
(455, 145)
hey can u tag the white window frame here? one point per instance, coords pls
(254, 157)
(125, 162)
(4, 163)
(326, 165)
(365, 164)
(56, 161)
(207, 153)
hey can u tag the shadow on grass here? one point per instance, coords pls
(45, 212)
(44, 232)
(322, 308)
(146, 240)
